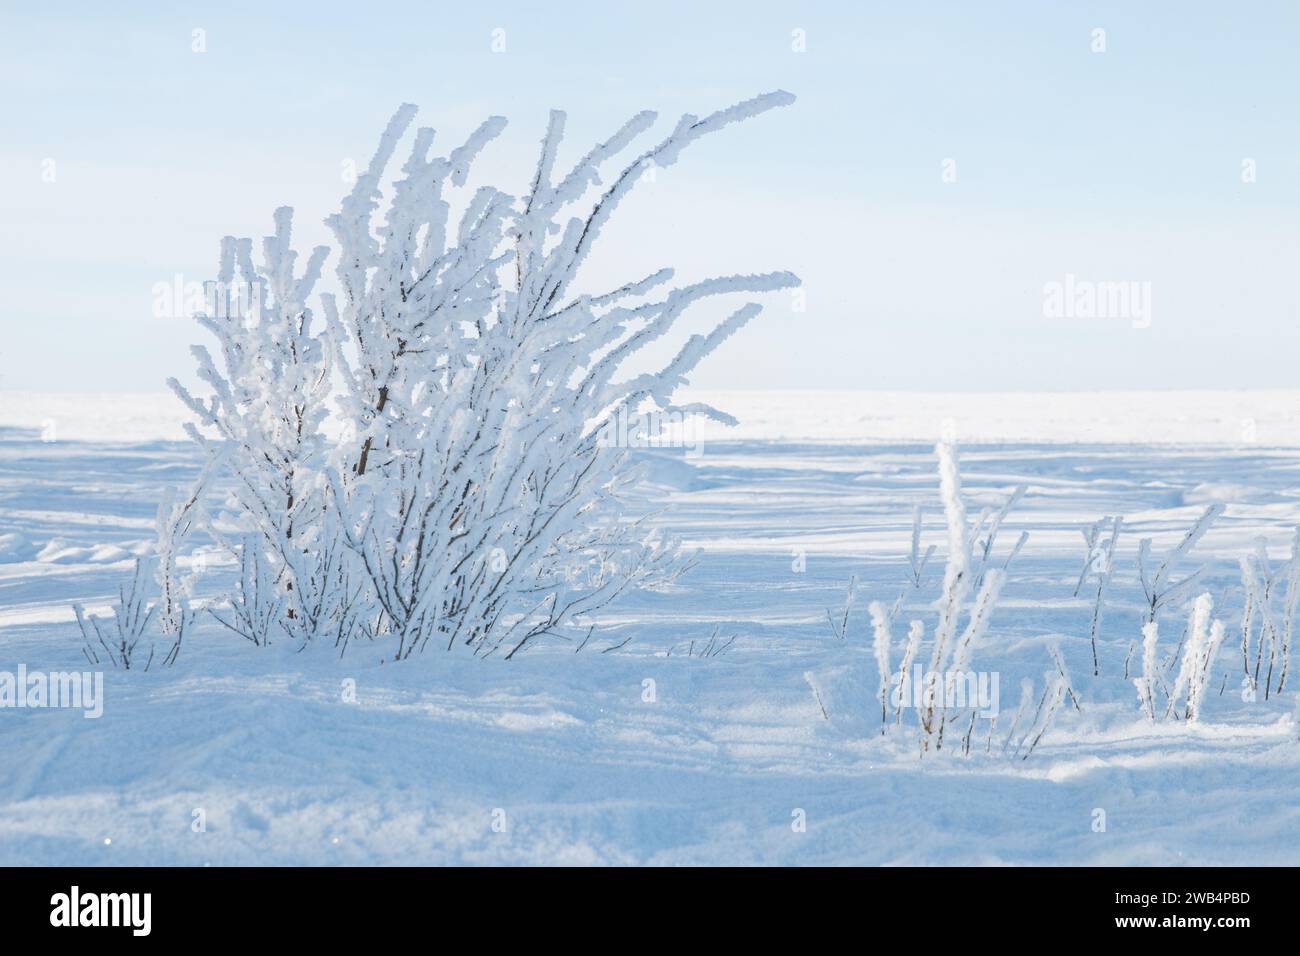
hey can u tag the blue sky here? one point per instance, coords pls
(1124, 165)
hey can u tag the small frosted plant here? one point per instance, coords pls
(1157, 588)
(1199, 652)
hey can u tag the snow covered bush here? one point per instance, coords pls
(470, 501)
(947, 691)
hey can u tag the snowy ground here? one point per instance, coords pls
(563, 751)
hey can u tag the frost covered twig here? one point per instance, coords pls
(255, 606)
(120, 636)
(1292, 600)
(956, 574)
(1026, 697)
(176, 519)
(1200, 652)
(880, 647)
(714, 647)
(915, 635)
(1091, 553)
(1104, 566)
(1157, 589)
(985, 545)
(1053, 694)
(1146, 684)
(918, 560)
(840, 628)
(1259, 584)
(1054, 651)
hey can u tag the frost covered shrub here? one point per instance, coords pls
(470, 501)
(946, 692)
(1261, 584)
(947, 696)
(1200, 650)
(121, 640)
(951, 652)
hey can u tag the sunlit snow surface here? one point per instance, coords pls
(562, 750)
